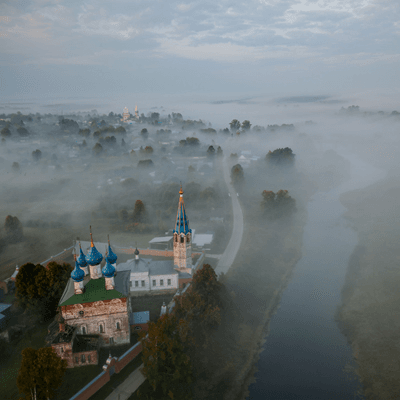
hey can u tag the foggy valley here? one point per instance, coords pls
(320, 183)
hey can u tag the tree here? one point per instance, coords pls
(277, 205)
(192, 141)
(144, 132)
(246, 125)
(13, 229)
(98, 148)
(120, 129)
(237, 174)
(57, 276)
(31, 285)
(280, 157)
(5, 132)
(165, 362)
(41, 373)
(148, 150)
(139, 212)
(84, 132)
(145, 163)
(219, 151)
(205, 283)
(37, 155)
(200, 307)
(210, 151)
(235, 125)
(22, 131)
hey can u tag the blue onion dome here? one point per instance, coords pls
(77, 274)
(94, 257)
(81, 259)
(108, 270)
(112, 257)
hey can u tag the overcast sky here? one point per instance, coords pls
(99, 48)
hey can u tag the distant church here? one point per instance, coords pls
(96, 309)
(126, 115)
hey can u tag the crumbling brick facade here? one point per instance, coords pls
(109, 319)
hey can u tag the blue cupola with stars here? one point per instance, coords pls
(81, 259)
(94, 257)
(112, 257)
(182, 222)
(77, 274)
(108, 270)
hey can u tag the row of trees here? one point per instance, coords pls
(175, 341)
(41, 373)
(280, 157)
(39, 289)
(276, 205)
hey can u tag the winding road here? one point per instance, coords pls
(231, 250)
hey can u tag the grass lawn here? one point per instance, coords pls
(9, 370)
(151, 303)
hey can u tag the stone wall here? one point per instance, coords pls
(117, 363)
(106, 313)
(150, 252)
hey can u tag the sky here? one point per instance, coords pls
(78, 49)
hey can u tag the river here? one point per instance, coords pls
(305, 356)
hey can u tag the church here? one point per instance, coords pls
(147, 275)
(96, 303)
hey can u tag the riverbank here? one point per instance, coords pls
(370, 296)
(262, 269)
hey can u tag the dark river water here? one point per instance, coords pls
(305, 356)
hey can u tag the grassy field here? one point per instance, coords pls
(370, 296)
(151, 303)
(33, 337)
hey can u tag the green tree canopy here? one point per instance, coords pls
(40, 289)
(235, 125)
(246, 125)
(41, 373)
(165, 362)
(31, 285)
(37, 155)
(139, 212)
(98, 148)
(13, 229)
(5, 132)
(237, 174)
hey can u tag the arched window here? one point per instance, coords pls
(181, 239)
(101, 328)
(118, 326)
(83, 330)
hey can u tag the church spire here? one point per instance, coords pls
(182, 222)
(182, 238)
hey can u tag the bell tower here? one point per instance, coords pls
(182, 239)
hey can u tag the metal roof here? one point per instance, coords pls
(141, 317)
(161, 239)
(4, 306)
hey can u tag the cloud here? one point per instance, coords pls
(184, 7)
(98, 22)
(229, 52)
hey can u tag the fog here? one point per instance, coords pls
(58, 195)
